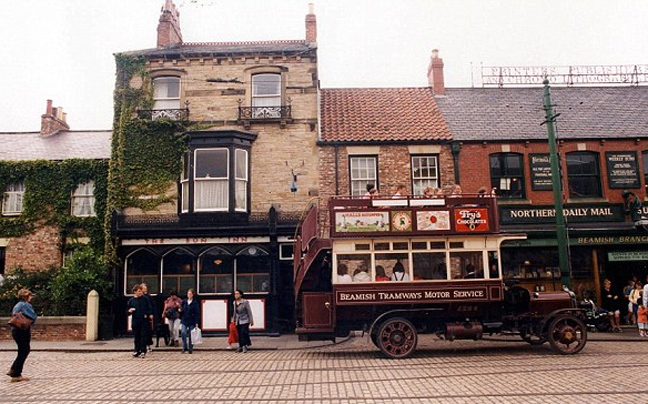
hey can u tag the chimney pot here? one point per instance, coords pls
(311, 24)
(48, 109)
(53, 120)
(168, 30)
(435, 74)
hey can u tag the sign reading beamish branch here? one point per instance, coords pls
(573, 213)
(623, 169)
(540, 172)
(414, 295)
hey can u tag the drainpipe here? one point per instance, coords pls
(337, 181)
(455, 147)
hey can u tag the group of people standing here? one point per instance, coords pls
(633, 302)
(181, 316)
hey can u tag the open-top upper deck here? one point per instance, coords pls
(413, 216)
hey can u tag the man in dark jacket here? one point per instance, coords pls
(151, 327)
(140, 311)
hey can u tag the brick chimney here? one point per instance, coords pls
(53, 120)
(311, 24)
(435, 74)
(168, 29)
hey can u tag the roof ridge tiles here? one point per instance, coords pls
(228, 43)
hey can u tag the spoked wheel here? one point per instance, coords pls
(529, 337)
(397, 338)
(567, 335)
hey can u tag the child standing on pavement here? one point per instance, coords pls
(642, 319)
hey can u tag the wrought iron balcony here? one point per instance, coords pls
(173, 114)
(265, 113)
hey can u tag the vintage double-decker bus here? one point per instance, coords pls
(396, 268)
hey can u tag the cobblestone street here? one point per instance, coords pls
(350, 372)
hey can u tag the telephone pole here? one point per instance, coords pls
(556, 181)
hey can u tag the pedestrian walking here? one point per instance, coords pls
(189, 319)
(151, 327)
(171, 312)
(140, 312)
(22, 336)
(635, 298)
(243, 320)
(642, 319)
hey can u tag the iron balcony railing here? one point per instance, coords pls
(265, 113)
(173, 114)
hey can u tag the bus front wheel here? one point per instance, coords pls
(397, 338)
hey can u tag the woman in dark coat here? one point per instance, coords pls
(22, 337)
(243, 320)
(190, 318)
(140, 311)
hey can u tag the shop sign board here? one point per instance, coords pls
(540, 172)
(578, 241)
(615, 256)
(622, 169)
(516, 214)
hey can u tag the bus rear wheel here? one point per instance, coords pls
(397, 338)
(567, 335)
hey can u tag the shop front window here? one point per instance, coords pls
(507, 175)
(253, 270)
(142, 267)
(178, 272)
(216, 272)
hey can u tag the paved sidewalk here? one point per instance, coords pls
(265, 343)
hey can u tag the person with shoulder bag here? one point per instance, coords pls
(21, 333)
(171, 312)
(243, 320)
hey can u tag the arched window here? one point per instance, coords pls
(253, 270)
(216, 272)
(583, 175)
(142, 266)
(507, 175)
(178, 271)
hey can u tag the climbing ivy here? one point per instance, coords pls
(47, 199)
(146, 154)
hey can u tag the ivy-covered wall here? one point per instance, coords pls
(47, 199)
(146, 154)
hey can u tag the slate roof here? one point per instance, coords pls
(210, 49)
(516, 113)
(16, 146)
(381, 114)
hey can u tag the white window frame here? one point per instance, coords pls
(259, 98)
(184, 183)
(13, 198)
(78, 197)
(359, 184)
(162, 102)
(196, 180)
(420, 182)
(241, 180)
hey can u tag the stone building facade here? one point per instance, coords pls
(249, 172)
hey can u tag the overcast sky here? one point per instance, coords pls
(63, 49)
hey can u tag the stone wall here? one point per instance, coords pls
(280, 149)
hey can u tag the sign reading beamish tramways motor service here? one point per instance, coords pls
(422, 294)
(573, 213)
(540, 172)
(623, 169)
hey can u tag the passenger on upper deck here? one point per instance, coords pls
(380, 274)
(456, 191)
(372, 192)
(400, 192)
(430, 192)
(399, 273)
(343, 274)
(361, 274)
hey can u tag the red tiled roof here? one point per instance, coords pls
(381, 114)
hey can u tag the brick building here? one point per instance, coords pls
(602, 141)
(35, 231)
(249, 171)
